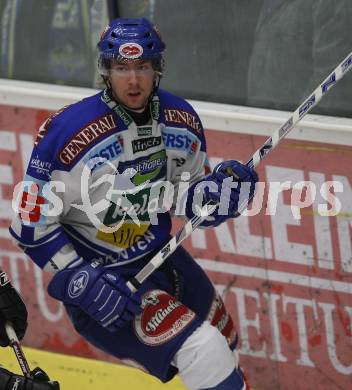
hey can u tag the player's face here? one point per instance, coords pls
(132, 82)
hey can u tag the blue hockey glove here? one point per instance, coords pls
(100, 293)
(230, 185)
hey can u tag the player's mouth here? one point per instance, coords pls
(134, 94)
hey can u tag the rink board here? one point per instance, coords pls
(87, 374)
(287, 282)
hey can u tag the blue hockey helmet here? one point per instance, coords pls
(127, 39)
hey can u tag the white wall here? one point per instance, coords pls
(215, 116)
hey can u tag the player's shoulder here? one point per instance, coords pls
(63, 124)
(74, 115)
(169, 100)
(176, 111)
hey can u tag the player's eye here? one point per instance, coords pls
(143, 67)
(121, 69)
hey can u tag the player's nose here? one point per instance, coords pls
(132, 76)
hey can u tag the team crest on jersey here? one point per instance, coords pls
(162, 318)
(131, 50)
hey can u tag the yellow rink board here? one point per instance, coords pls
(86, 374)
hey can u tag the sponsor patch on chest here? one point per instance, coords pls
(180, 139)
(85, 137)
(124, 237)
(144, 131)
(140, 145)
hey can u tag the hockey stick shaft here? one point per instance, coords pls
(262, 152)
(16, 346)
(301, 111)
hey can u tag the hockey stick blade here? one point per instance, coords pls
(261, 153)
(16, 346)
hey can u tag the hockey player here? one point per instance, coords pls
(176, 322)
(13, 310)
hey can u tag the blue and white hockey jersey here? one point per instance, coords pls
(82, 155)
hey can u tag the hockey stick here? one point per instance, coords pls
(134, 283)
(15, 344)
